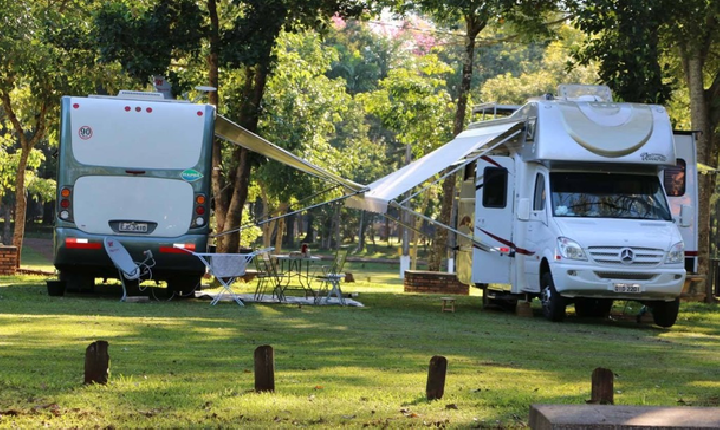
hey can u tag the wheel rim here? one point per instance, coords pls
(545, 298)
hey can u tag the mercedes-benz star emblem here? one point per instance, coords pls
(627, 256)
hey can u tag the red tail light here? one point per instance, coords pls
(200, 210)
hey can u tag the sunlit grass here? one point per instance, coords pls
(190, 364)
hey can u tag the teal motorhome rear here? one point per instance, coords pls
(135, 167)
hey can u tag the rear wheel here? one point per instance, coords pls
(593, 307)
(665, 313)
(75, 281)
(553, 304)
(183, 287)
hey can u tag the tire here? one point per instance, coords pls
(76, 281)
(183, 287)
(593, 307)
(553, 304)
(665, 313)
(55, 288)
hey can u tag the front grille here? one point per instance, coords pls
(625, 276)
(640, 256)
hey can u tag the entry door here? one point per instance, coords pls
(494, 216)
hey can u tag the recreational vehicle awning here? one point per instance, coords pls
(228, 130)
(388, 188)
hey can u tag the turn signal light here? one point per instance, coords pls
(65, 193)
(200, 200)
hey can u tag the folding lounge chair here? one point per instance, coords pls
(331, 278)
(127, 268)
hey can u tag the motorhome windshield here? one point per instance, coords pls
(607, 195)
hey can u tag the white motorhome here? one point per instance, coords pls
(572, 209)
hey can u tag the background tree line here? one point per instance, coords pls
(336, 83)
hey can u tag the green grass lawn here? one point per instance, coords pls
(189, 364)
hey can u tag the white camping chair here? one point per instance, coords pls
(127, 268)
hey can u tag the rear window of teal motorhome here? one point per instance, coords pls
(136, 133)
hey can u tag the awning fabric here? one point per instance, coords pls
(388, 188)
(228, 130)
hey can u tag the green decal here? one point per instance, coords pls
(191, 175)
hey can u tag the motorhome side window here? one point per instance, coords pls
(539, 201)
(674, 179)
(495, 187)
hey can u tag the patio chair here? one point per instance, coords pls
(268, 276)
(330, 279)
(127, 268)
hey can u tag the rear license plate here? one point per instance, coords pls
(131, 227)
(627, 288)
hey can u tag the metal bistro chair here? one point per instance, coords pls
(127, 268)
(268, 276)
(331, 278)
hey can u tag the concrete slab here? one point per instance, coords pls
(567, 417)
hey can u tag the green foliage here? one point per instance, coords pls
(145, 42)
(414, 104)
(542, 75)
(627, 45)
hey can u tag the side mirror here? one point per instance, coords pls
(523, 210)
(686, 216)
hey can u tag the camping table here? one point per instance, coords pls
(295, 270)
(225, 267)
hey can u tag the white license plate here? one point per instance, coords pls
(627, 288)
(132, 227)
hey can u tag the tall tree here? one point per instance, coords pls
(248, 45)
(526, 16)
(45, 51)
(686, 29)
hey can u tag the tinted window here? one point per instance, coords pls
(674, 179)
(539, 202)
(494, 187)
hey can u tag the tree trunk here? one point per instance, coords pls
(361, 232)
(448, 187)
(218, 181)
(310, 231)
(280, 226)
(20, 201)
(336, 226)
(290, 231)
(6, 235)
(699, 119)
(240, 178)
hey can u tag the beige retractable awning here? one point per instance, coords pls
(228, 130)
(388, 188)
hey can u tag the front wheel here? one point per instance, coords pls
(553, 304)
(665, 313)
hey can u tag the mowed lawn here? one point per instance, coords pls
(188, 364)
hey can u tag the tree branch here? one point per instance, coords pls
(10, 113)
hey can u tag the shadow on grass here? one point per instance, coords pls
(189, 342)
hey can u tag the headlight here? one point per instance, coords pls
(568, 248)
(676, 253)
